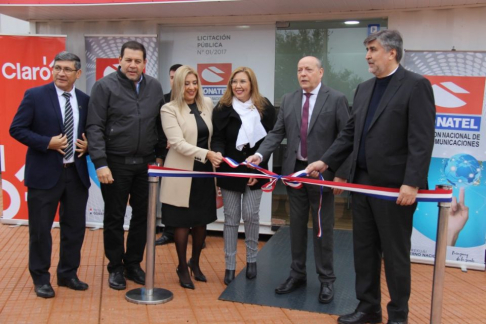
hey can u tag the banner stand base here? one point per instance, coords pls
(140, 296)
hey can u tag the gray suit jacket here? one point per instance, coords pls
(330, 114)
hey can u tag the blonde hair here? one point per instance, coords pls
(257, 99)
(179, 86)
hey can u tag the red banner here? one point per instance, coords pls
(25, 62)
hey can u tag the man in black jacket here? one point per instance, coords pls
(123, 138)
(390, 138)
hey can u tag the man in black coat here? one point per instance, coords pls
(390, 137)
(123, 137)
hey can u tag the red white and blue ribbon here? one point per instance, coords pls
(297, 179)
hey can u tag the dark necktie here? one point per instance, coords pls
(68, 125)
(304, 126)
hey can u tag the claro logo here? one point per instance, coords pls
(18, 71)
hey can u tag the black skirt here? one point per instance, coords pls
(202, 203)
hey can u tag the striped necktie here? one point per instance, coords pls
(68, 126)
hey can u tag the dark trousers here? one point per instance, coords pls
(72, 196)
(381, 227)
(131, 182)
(300, 200)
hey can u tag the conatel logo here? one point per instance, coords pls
(213, 74)
(459, 102)
(11, 70)
(458, 95)
(105, 66)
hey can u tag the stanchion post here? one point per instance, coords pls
(440, 258)
(150, 295)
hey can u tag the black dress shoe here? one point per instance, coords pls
(326, 294)
(135, 274)
(117, 281)
(198, 277)
(251, 270)
(229, 276)
(398, 322)
(44, 291)
(360, 318)
(290, 285)
(164, 240)
(187, 285)
(73, 283)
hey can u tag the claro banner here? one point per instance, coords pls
(25, 62)
(458, 80)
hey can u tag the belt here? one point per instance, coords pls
(68, 165)
(302, 161)
(131, 159)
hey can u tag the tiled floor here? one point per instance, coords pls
(464, 294)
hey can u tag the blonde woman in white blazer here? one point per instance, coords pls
(188, 204)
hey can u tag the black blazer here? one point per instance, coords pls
(226, 124)
(37, 120)
(400, 137)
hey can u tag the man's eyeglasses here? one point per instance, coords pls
(68, 71)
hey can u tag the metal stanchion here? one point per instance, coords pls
(440, 258)
(150, 295)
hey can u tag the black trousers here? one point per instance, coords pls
(130, 186)
(301, 201)
(71, 195)
(381, 228)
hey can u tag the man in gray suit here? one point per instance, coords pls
(310, 118)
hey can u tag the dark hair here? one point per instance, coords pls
(175, 67)
(134, 45)
(66, 56)
(389, 39)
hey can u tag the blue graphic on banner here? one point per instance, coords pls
(465, 172)
(92, 171)
(213, 91)
(462, 170)
(456, 122)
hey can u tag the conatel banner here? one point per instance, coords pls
(26, 62)
(458, 80)
(102, 58)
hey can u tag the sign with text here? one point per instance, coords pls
(214, 52)
(26, 64)
(458, 81)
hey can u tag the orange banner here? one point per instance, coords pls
(25, 62)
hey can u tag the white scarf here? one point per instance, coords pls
(251, 130)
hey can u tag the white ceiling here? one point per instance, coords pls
(221, 8)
